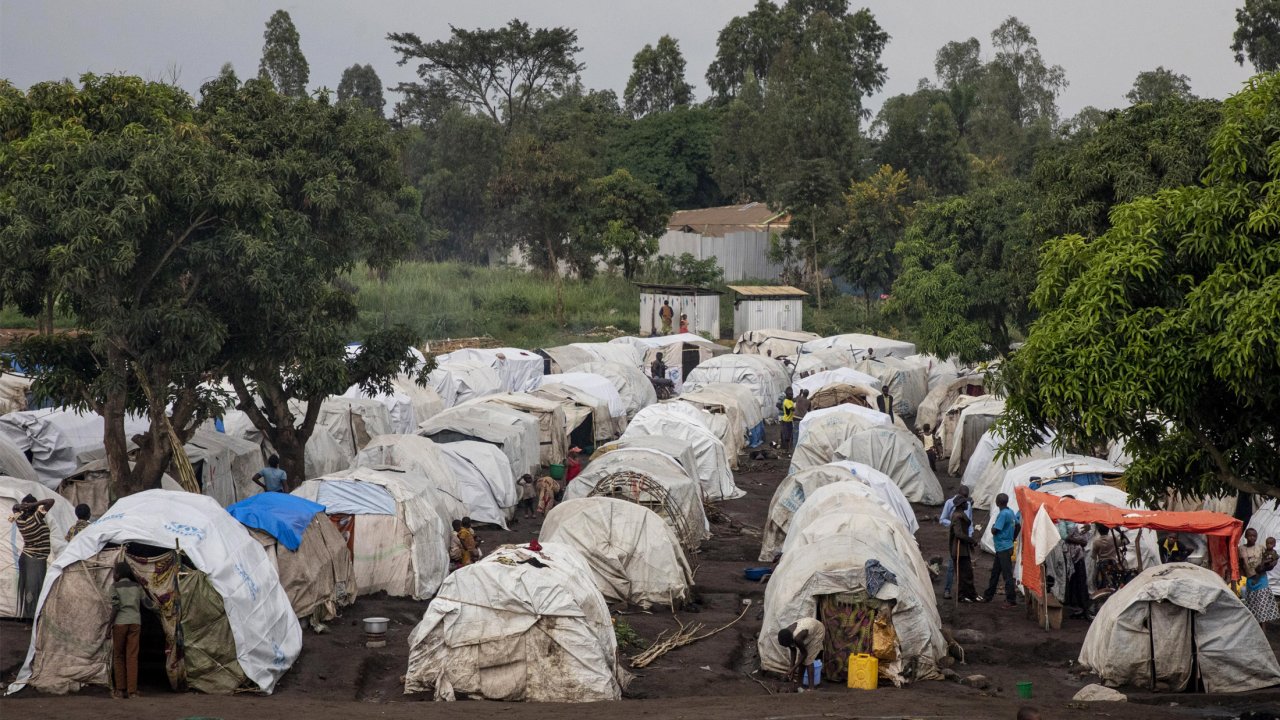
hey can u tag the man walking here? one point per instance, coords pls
(788, 409)
(1004, 529)
(666, 314)
(949, 508)
(960, 549)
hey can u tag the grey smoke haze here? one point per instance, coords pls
(1102, 44)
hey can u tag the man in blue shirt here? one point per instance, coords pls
(945, 520)
(1004, 529)
(272, 478)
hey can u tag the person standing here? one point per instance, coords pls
(1004, 530)
(665, 313)
(787, 418)
(885, 402)
(82, 521)
(467, 539)
(658, 368)
(684, 323)
(1255, 562)
(30, 516)
(930, 441)
(804, 639)
(803, 404)
(271, 478)
(126, 629)
(960, 499)
(1108, 551)
(960, 548)
(1074, 542)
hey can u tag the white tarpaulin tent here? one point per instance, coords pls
(442, 381)
(599, 386)
(61, 440)
(940, 397)
(60, 517)
(351, 422)
(1051, 471)
(401, 542)
(553, 427)
(837, 376)
(1266, 521)
(772, 342)
(974, 421)
(634, 555)
(515, 432)
(676, 495)
(824, 435)
(907, 380)
(13, 392)
(898, 454)
(735, 416)
(1172, 621)
(859, 344)
(1142, 552)
(829, 557)
(726, 428)
(632, 385)
(471, 379)
(984, 474)
(407, 404)
(422, 459)
(816, 361)
(875, 417)
(709, 453)
(794, 491)
(518, 370)
(506, 628)
(224, 465)
(488, 486)
(265, 630)
(765, 377)
(13, 463)
(579, 405)
(679, 352)
(941, 372)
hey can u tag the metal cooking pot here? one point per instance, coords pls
(376, 625)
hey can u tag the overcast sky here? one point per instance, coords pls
(1102, 44)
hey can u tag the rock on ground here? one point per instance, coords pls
(1099, 693)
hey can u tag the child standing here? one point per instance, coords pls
(126, 628)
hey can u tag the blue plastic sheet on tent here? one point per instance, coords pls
(283, 517)
(755, 436)
(1079, 479)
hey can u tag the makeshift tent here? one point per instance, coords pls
(726, 429)
(712, 461)
(488, 487)
(586, 415)
(399, 542)
(520, 625)
(651, 478)
(766, 378)
(908, 381)
(940, 397)
(236, 625)
(514, 432)
(1061, 471)
(634, 555)
(898, 454)
(1174, 627)
(941, 372)
(794, 491)
(566, 358)
(1266, 521)
(859, 344)
(1142, 552)
(59, 440)
(13, 392)
(823, 436)
(834, 572)
(772, 342)
(407, 404)
(984, 474)
(351, 422)
(632, 385)
(971, 423)
(442, 381)
(518, 370)
(597, 385)
(838, 376)
(471, 379)
(678, 449)
(61, 517)
(553, 427)
(681, 353)
(875, 417)
(90, 484)
(13, 463)
(738, 407)
(816, 361)
(310, 555)
(224, 466)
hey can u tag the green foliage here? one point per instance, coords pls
(361, 84)
(919, 134)
(1159, 85)
(283, 64)
(626, 636)
(1162, 332)
(876, 212)
(684, 270)
(623, 216)
(672, 151)
(1257, 34)
(737, 150)
(657, 81)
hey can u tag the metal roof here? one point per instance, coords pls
(767, 291)
(719, 221)
(678, 289)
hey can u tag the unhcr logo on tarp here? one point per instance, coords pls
(187, 530)
(248, 581)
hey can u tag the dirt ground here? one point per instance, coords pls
(714, 679)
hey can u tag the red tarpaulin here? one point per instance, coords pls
(1221, 531)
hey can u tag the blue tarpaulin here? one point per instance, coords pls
(283, 517)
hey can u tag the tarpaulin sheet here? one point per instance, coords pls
(283, 517)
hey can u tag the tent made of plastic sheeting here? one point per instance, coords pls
(407, 404)
(442, 381)
(514, 432)
(471, 380)
(837, 376)
(765, 377)
(773, 343)
(1064, 470)
(311, 556)
(632, 385)
(351, 422)
(587, 415)
(388, 517)
(907, 380)
(672, 420)
(859, 344)
(823, 436)
(816, 361)
(984, 473)
(971, 423)
(875, 417)
(1266, 521)
(634, 555)
(737, 406)
(1141, 552)
(597, 385)
(13, 392)
(651, 478)
(91, 485)
(1174, 624)
(726, 429)
(941, 372)
(794, 491)
(678, 449)
(827, 565)
(519, 625)
(60, 518)
(237, 626)
(484, 475)
(565, 358)
(59, 440)
(553, 426)
(898, 454)
(681, 353)
(940, 397)
(224, 465)
(13, 463)
(518, 370)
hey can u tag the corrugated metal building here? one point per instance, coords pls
(767, 307)
(701, 305)
(737, 236)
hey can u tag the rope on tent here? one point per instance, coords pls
(643, 490)
(186, 473)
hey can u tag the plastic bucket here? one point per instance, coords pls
(817, 674)
(864, 671)
(1024, 690)
(556, 471)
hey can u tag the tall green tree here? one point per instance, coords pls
(745, 49)
(875, 214)
(361, 84)
(737, 155)
(1257, 35)
(919, 134)
(657, 81)
(672, 151)
(624, 217)
(1162, 332)
(283, 64)
(1159, 85)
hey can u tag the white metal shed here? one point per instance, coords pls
(700, 304)
(764, 307)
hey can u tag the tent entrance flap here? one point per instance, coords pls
(849, 619)
(1171, 629)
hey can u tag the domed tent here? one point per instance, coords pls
(61, 517)
(794, 491)
(1174, 624)
(709, 453)
(519, 625)
(587, 415)
(399, 542)
(632, 385)
(875, 417)
(984, 474)
(470, 380)
(651, 478)
(238, 629)
(859, 343)
(772, 342)
(565, 358)
(553, 427)
(907, 380)
(59, 440)
(823, 436)
(517, 370)
(811, 362)
(829, 388)
(728, 432)
(423, 460)
(898, 454)
(827, 573)
(941, 372)
(598, 386)
(971, 422)
(407, 404)
(224, 466)
(940, 397)
(441, 381)
(738, 407)
(679, 450)
(488, 487)
(310, 555)
(13, 463)
(634, 556)
(512, 431)
(765, 377)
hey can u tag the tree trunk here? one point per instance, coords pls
(46, 321)
(277, 423)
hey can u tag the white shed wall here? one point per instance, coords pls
(742, 255)
(703, 312)
(781, 313)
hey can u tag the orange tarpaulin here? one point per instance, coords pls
(1221, 531)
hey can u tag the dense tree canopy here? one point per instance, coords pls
(283, 64)
(657, 81)
(1159, 85)
(1257, 35)
(361, 84)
